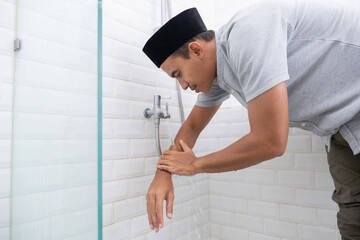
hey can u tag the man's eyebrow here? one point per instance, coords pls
(173, 73)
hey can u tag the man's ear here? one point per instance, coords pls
(196, 49)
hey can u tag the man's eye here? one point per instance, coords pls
(179, 75)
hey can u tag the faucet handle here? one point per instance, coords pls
(148, 112)
(167, 105)
(166, 97)
(167, 111)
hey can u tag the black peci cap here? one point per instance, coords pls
(177, 31)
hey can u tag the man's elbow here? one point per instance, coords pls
(272, 144)
(276, 148)
(279, 150)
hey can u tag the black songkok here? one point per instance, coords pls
(173, 34)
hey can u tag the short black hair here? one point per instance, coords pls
(183, 51)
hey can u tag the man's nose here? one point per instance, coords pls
(184, 85)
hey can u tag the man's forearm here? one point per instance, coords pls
(269, 124)
(244, 153)
(187, 134)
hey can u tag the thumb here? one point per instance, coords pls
(185, 146)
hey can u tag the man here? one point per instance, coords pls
(289, 63)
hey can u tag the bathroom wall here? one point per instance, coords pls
(130, 80)
(55, 133)
(7, 36)
(285, 198)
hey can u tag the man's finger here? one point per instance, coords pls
(150, 202)
(163, 167)
(161, 162)
(165, 162)
(169, 152)
(149, 218)
(159, 213)
(153, 213)
(169, 205)
(185, 146)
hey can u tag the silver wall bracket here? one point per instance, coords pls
(17, 44)
(158, 113)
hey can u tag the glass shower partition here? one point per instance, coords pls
(56, 157)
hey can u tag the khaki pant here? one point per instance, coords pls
(345, 170)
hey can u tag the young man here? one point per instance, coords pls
(289, 63)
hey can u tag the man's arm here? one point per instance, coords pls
(269, 123)
(161, 187)
(198, 119)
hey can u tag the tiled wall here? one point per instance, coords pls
(285, 198)
(55, 119)
(130, 80)
(7, 35)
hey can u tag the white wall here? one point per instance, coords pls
(55, 118)
(284, 198)
(130, 80)
(7, 36)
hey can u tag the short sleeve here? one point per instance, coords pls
(216, 96)
(256, 48)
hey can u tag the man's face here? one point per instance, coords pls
(196, 73)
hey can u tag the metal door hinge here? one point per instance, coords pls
(17, 44)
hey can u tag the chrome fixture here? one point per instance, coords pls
(158, 113)
(17, 44)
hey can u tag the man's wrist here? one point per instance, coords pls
(175, 148)
(197, 166)
(162, 173)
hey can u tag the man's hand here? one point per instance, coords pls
(160, 189)
(180, 163)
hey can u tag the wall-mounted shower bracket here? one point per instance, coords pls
(17, 44)
(158, 113)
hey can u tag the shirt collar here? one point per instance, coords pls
(219, 68)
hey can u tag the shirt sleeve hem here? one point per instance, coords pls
(211, 104)
(273, 82)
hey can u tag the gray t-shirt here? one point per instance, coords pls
(312, 45)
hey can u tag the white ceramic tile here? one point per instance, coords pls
(315, 198)
(5, 182)
(297, 214)
(280, 228)
(248, 222)
(129, 208)
(261, 176)
(264, 209)
(5, 211)
(315, 232)
(279, 194)
(296, 178)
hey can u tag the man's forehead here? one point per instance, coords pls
(169, 65)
